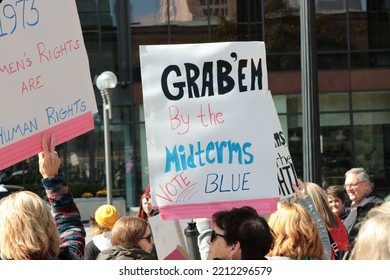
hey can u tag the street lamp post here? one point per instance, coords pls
(105, 82)
(310, 99)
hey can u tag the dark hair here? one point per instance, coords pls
(337, 191)
(247, 227)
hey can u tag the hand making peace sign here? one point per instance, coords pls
(301, 190)
(49, 162)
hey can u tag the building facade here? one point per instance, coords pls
(353, 57)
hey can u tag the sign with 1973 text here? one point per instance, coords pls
(44, 74)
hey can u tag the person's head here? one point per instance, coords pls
(320, 201)
(296, 235)
(145, 209)
(240, 234)
(336, 199)
(27, 228)
(357, 184)
(147, 204)
(105, 218)
(132, 231)
(373, 239)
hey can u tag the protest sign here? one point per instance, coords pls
(209, 132)
(45, 77)
(168, 237)
(286, 171)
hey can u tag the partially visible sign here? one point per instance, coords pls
(209, 131)
(45, 77)
(169, 237)
(285, 168)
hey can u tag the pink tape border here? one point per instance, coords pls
(206, 210)
(32, 145)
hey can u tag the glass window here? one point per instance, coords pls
(280, 103)
(358, 30)
(249, 21)
(333, 101)
(370, 59)
(148, 26)
(146, 12)
(336, 119)
(380, 58)
(92, 15)
(288, 62)
(122, 160)
(330, 6)
(295, 147)
(224, 29)
(102, 52)
(378, 24)
(361, 60)
(294, 104)
(372, 152)
(87, 14)
(336, 151)
(142, 156)
(371, 101)
(121, 96)
(331, 27)
(371, 118)
(332, 61)
(77, 159)
(282, 27)
(121, 114)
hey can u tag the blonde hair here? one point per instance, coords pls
(373, 239)
(97, 229)
(128, 230)
(27, 228)
(320, 201)
(296, 235)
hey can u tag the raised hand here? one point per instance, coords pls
(301, 190)
(49, 162)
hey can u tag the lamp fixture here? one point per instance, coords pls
(295, 138)
(105, 82)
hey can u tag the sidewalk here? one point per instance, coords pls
(88, 236)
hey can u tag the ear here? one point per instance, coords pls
(235, 252)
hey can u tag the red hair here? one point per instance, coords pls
(141, 213)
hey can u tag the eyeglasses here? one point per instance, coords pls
(148, 238)
(354, 185)
(214, 236)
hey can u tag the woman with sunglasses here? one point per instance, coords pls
(131, 239)
(239, 234)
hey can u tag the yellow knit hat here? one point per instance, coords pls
(106, 215)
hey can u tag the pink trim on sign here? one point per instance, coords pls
(32, 145)
(206, 210)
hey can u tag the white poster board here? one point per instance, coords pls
(209, 132)
(45, 77)
(167, 234)
(286, 171)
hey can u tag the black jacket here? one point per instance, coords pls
(356, 215)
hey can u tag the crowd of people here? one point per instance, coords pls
(314, 225)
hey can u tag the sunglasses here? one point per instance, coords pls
(214, 236)
(148, 238)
